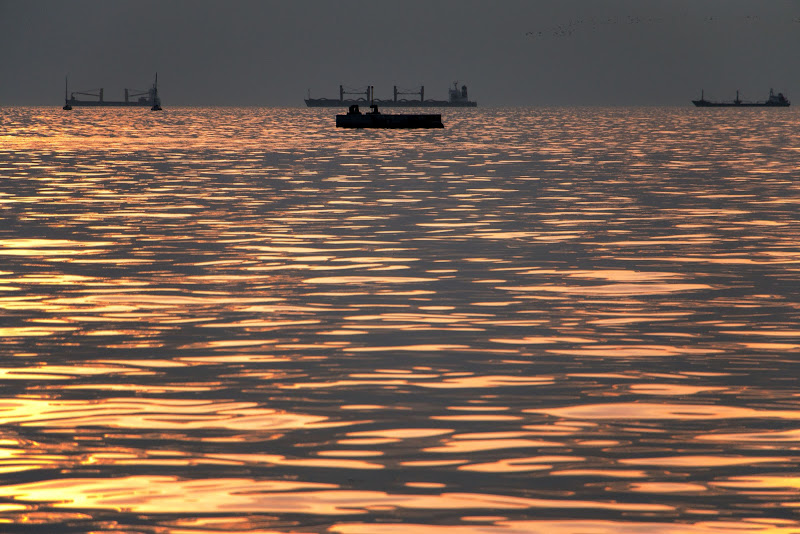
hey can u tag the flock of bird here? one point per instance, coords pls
(593, 23)
(567, 29)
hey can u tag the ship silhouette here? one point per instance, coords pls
(773, 101)
(457, 98)
(148, 98)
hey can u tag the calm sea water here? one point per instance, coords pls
(535, 320)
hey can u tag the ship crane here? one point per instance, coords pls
(421, 93)
(367, 93)
(97, 93)
(133, 93)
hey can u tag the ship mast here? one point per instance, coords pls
(66, 107)
(156, 103)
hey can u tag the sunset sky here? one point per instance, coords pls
(515, 52)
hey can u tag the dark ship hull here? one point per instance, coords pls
(707, 104)
(375, 119)
(110, 103)
(334, 103)
(774, 101)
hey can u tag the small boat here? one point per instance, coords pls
(774, 101)
(66, 107)
(156, 100)
(375, 119)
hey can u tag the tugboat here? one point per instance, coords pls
(376, 119)
(773, 101)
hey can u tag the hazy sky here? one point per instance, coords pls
(508, 52)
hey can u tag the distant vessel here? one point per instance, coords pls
(376, 119)
(457, 99)
(147, 98)
(773, 101)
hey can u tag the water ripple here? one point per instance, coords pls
(564, 320)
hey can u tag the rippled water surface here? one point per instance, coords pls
(535, 320)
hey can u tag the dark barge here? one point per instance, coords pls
(375, 119)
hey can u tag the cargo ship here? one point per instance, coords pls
(133, 98)
(774, 100)
(458, 98)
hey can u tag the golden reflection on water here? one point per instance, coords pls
(503, 526)
(161, 494)
(244, 320)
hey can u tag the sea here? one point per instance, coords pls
(535, 320)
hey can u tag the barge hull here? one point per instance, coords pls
(389, 121)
